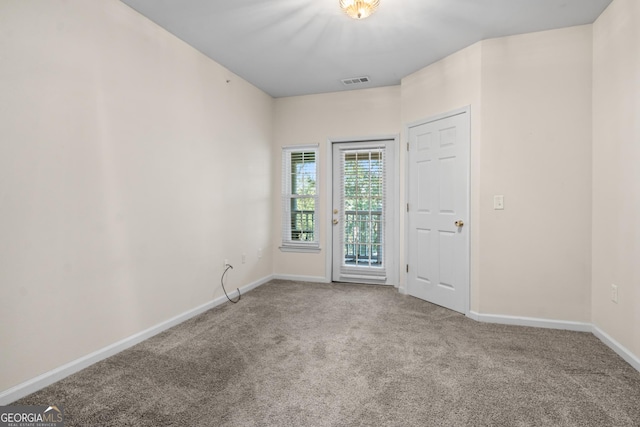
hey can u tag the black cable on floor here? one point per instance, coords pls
(222, 283)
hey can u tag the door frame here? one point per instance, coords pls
(405, 283)
(393, 261)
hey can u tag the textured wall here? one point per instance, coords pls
(314, 119)
(534, 255)
(616, 174)
(129, 169)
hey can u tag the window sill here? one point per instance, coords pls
(301, 249)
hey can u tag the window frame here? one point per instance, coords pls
(288, 244)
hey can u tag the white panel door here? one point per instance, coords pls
(438, 212)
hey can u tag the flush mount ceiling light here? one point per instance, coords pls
(359, 9)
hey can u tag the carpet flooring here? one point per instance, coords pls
(302, 354)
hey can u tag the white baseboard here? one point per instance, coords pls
(614, 345)
(531, 321)
(48, 378)
(314, 279)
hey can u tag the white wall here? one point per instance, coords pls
(616, 172)
(129, 169)
(534, 256)
(314, 119)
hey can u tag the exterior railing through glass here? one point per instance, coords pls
(302, 225)
(362, 235)
(363, 238)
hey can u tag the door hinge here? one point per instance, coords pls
(407, 207)
(407, 268)
(407, 146)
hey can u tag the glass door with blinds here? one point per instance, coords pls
(363, 225)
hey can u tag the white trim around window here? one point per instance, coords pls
(300, 199)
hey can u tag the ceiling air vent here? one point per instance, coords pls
(355, 81)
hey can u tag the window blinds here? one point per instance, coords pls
(300, 196)
(363, 203)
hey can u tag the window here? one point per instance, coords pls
(299, 198)
(362, 200)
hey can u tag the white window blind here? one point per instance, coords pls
(300, 198)
(363, 200)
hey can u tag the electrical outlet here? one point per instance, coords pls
(614, 293)
(244, 257)
(226, 262)
(498, 202)
(259, 253)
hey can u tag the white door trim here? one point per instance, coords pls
(393, 273)
(434, 118)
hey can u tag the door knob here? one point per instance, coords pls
(459, 223)
(335, 221)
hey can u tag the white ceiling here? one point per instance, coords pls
(297, 47)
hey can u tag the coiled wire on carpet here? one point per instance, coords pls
(229, 266)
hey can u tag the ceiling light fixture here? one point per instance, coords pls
(359, 9)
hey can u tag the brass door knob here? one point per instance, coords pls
(335, 221)
(459, 223)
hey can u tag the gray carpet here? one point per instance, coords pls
(301, 354)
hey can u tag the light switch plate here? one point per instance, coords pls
(498, 202)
